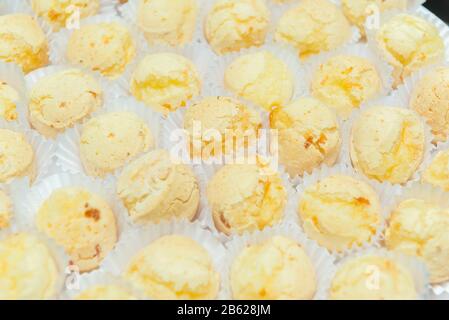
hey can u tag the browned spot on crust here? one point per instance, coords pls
(362, 200)
(97, 250)
(308, 143)
(93, 214)
(224, 221)
(322, 139)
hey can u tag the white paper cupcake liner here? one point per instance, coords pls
(282, 52)
(384, 191)
(68, 149)
(203, 59)
(12, 75)
(430, 194)
(40, 192)
(413, 265)
(44, 150)
(97, 278)
(15, 191)
(388, 101)
(322, 261)
(129, 13)
(56, 251)
(361, 50)
(59, 42)
(206, 173)
(135, 240)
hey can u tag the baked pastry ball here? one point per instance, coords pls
(437, 173)
(276, 269)
(233, 25)
(430, 98)
(165, 81)
(81, 222)
(344, 82)
(244, 198)
(28, 269)
(387, 144)
(313, 26)
(373, 277)
(236, 124)
(23, 42)
(421, 228)
(409, 43)
(61, 100)
(106, 47)
(357, 11)
(167, 22)
(106, 292)
(261, 78)
(18, 159)
(111, 140)
(340, 212)
(174, 268)
(309, 135)
(5, 210)
(8, 102)
(155, 188)
(58, 13)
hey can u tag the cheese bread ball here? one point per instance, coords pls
(8, 102)
(373, 277)
(81, 222)
(261, 78)
(233, 124)
(357, 11)
(17, 154)
(387, 144)
(243, 198)
(106, 292)
(111, 140)
(165, 81)
(174, 268)
(23, 42)
(313, 26)
(309, 135)
(167, 22)
(5, 210)
(233, 25)
(437, 172)
(421, 228)
(344, 82)
(63, 99)
(59, 12)
(155, 188)
(430, 98)
(106, 47)
(276, 269)
(340, 212)
(28, 270)
(409, 43)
